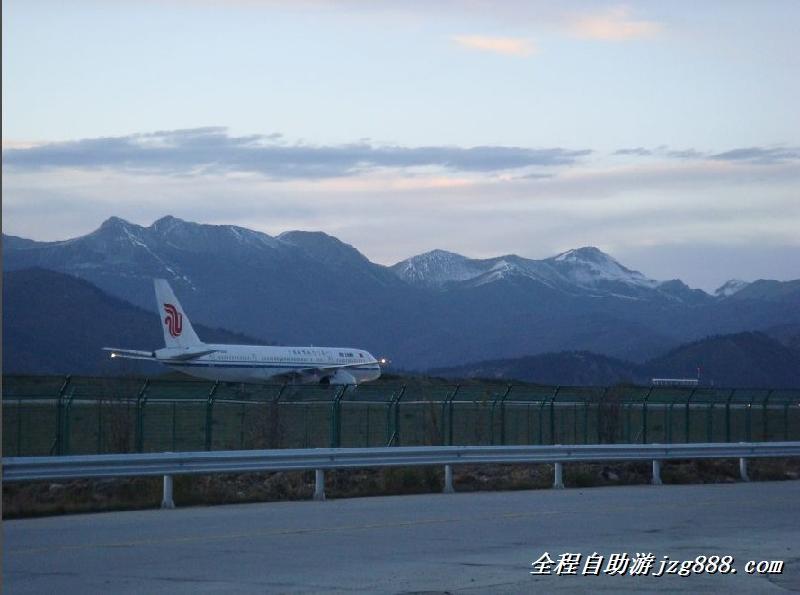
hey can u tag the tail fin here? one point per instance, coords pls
(178, 331)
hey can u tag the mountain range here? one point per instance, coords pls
(741, 360)
(89, 319)
(436, 309)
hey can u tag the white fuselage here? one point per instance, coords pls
(254, 363)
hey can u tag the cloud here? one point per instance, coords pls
(511, 46)
(755, 155)
(685, 154)
(19, 144)
(614, 24)
(638, 151)
(760, 154)
(213, 150)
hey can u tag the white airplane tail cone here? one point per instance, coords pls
(178, 331)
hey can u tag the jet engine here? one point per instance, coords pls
(340, 377)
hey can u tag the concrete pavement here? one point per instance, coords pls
(467, 543)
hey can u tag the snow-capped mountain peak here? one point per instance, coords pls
(166, 223)
(589, 266)
(585, 254)
(573, 270)
(436, 268)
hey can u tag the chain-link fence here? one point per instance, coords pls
(45, 415)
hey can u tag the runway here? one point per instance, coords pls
(464, 543)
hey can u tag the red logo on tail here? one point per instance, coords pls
(174, 320)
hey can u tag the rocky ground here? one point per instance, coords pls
(42, 498)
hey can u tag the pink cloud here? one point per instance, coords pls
(614, 24)
(512, 46)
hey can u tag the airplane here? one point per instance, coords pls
(184, 351)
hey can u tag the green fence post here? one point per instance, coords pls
(389, 419)
(628, 422)
(241, 428)
(280, 392)
(447, 414)
(688, 414)
(552, 415)
(336, 421)
(644, 415)
(728, 416)
(748, 416)
(306, 441)
(210, 414)
(786, 421)
(575, 423)
(274, 419)
(99, 425)
(396, 436)
(141, 398)
(600, 402)
(393, 418)
(586, 422)
(451, 410)
(710, 422)
(19, 427)
(366, 431)
(528, 424)
(541, 419)
(765, 415)
(669, 407)
(141, 423)
(67, 410)
(503, 414)
(497, 399)
(58, 444)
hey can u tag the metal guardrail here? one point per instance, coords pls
(169, 464)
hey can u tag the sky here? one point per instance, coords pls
(665, 133)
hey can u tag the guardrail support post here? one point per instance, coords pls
(558, 480)
(743, 469)
(656, 481)
(448, 480)
(319, 485)
(166, 500)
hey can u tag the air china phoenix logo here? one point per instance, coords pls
(174, 320)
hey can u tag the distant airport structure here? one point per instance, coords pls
(675, 381)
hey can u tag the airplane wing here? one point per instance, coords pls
(130, 353)
(321, 369)
(311, 370)
(136, 354)
(338, 366)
